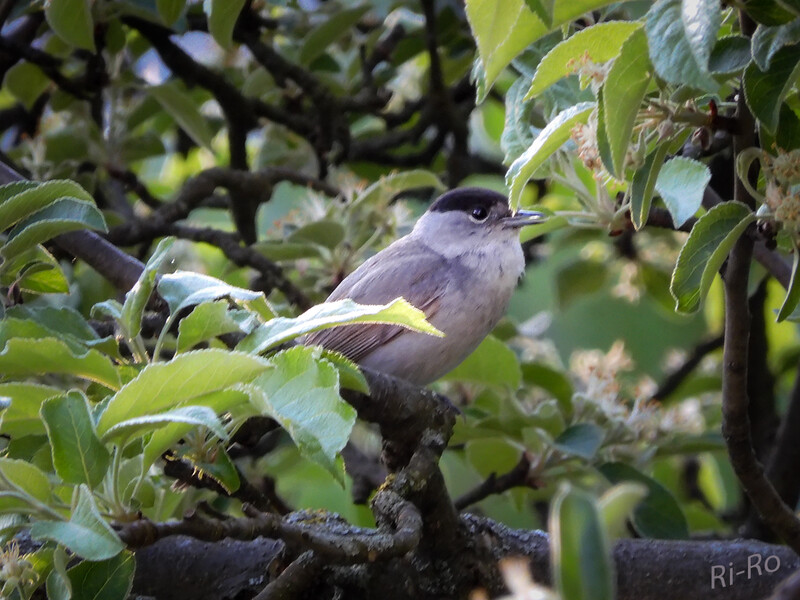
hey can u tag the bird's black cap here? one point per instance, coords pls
(466, 199)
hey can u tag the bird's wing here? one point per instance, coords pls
(400, 270)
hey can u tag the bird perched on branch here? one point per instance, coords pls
(459, 265)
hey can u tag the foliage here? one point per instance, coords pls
(339, 122)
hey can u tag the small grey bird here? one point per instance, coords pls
(459, 265)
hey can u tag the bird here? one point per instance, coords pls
(459, 265)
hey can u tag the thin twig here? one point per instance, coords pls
(497, 484)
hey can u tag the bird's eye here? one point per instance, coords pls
(479, 213)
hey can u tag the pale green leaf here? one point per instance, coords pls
(162, 386)
(200, 416)
(184, 288)
(599, 43)
(643, 185)
(58, 583)
(209, 320)
(730, 55)
(542, 9)
(623, 93)
(86, 533)
(22, 418)
(709, 243)
(504, 29)
(546, 143)
(681, 184)
(21, 477)
(26, 357)
(681, 36)
(617, 504)
(180, 106)
(78, 455)
(330, 314)
(580, 551)
(302, 394)
(72, 21)
(137, 297)
(166, 436)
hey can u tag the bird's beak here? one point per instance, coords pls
(524, 217)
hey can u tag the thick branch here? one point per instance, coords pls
(736, 427)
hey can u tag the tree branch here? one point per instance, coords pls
(735, 421)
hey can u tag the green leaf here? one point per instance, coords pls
(388, 186)
(730, 55)
(58, 583)
(768, 12)
(184, 110)
(281, 250)
(209, 320)
(86, 533)
(643, 185)
(201, 416)
(302, 394)
(580, 554)
(768, 40)
(581, 439)
(765, 90)
(542, 9)
(36, 271)
(337, 25)
(681, 36)
(21, 199)
(25, 357)
(22, 477)
(22, 418)
(658, 516)
(599, 43)
(546, 143)
(72, 22)
(681, 184)
(137, 297)
(110, 579)
(492, 362)
(104, 580)
(26, 82)
(222, 17)
(350, 376)
(326, 233)
(623, 93)
(78, 455)
(330, 314)
(166, 436)
(170, 10)
(616, 506)
(603, 145)
(709, 242)
(504, 29)
(162, 386)
(792, 293)
(66, 214)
